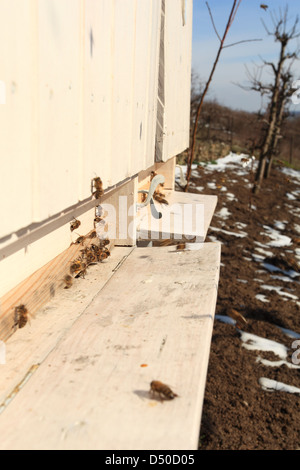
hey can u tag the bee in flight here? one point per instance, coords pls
(162, 389)
(238, 317)
(21, 316)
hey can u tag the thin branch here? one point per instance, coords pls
(234, 13)
(212, 20)
(192, 150)
(239, 42)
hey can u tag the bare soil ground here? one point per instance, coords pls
(238, 413)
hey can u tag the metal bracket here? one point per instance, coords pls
(158, 179)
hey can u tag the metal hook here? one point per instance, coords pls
(158, 179)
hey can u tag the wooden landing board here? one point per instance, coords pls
(152, 320)
(186, 214)
(31, 345)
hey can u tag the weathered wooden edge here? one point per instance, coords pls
(36, 290)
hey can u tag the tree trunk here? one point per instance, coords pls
(260, 174)
(277, 129)
(272, 123)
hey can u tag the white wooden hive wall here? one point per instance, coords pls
(81, 80)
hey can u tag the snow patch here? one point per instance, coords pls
(223, 213)
(235, 234)
(272, 385)
(262, 298)
(268, 363)
(257, 343)
(279, 290)
(279, 240)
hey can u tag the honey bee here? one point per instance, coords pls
(78, 267)
(180, 246)
(97, 219)
(159, 197)
(21, 316)
(79, 240)
(152, 175)
(162, 389)
(104, 242)
(238, 317)
(68, 280)
(103, 255)
(98, 186)
(93, 234)
(74, 225)
(90, 256)
(143, 197)
(82, 271)
(263, 6)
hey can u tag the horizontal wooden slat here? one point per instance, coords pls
(152, 320)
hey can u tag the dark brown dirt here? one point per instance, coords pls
(237, 413)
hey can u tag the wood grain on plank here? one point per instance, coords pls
(36, 290)
(152, 320)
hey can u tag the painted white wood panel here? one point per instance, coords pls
(17, 115)
(97, 92)
(81, 82)
(122, 85)
(145, 84)
(177, 77)
(59, 104)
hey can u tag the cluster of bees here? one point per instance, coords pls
(94, 253)
(89, 255)
(157, 195)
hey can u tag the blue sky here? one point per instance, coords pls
(231, 66)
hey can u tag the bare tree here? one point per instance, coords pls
(278, 91)
(234, 8)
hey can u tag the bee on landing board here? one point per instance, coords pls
(78, 268)
(89, 255)
(103, 255)
(162, 389)
(68, 280)
(21, 316)
(180, 246)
